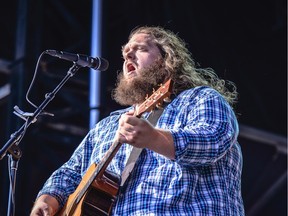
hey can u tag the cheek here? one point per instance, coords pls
(147, 60)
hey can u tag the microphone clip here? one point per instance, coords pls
(25, 115)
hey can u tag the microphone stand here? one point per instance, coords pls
(12, 145)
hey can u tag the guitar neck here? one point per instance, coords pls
(98, 171)
(101, 167)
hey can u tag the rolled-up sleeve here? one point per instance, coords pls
(210, 129)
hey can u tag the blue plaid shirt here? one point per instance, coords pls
(204, 179)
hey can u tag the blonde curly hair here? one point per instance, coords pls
(181, 67)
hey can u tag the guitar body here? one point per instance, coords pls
(98, 198)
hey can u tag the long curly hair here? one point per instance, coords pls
(181, 67)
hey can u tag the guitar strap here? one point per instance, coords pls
(152, 118)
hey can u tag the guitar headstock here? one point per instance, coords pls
(156, 99)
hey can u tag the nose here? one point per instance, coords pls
(129, 54)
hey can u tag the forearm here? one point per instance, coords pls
(142, 134)
(163, 144)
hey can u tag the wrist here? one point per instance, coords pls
(162, 143)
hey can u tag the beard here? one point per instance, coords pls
(135, 91)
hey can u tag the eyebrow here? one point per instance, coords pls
(146, 43)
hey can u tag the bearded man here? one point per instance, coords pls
(190, 162)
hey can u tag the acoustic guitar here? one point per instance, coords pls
(98, 189)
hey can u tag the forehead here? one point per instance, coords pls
(140, 38)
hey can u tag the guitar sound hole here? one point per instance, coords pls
(97, 203)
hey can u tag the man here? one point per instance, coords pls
(191, 161)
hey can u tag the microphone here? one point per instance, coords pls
(96, 63)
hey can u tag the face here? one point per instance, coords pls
(139, 53)
(143, 71)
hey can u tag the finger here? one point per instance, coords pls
(127, 133)
(126, 120)
(123, 138)
(45, 212)
(130, 112)
(132, 120)
(127, 129)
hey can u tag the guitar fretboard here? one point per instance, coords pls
(101, 167)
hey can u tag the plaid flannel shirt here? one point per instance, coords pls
(204, 179)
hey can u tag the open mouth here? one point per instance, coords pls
(130, 70)
(130, 67)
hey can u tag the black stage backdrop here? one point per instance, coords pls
(243, 41)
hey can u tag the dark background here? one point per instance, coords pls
(243, 41)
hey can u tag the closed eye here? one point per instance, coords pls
(142, 48)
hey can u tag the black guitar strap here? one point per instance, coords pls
(152, 118)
